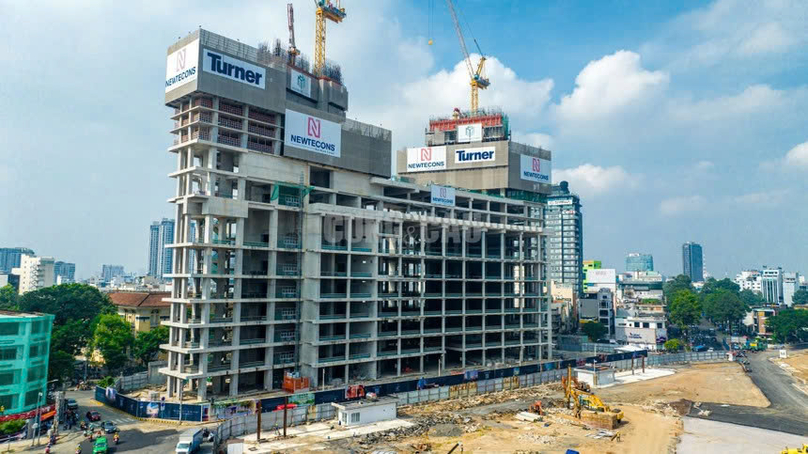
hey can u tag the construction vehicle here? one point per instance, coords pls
(579, 385)
(478, 79)
(803, 450)
(332, 12)
(588, 407)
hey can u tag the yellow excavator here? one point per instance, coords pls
(587, 406)
(803, 450)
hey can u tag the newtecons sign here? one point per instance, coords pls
(424, 159)
(215, 62)
(441, 195)
(534, 169)
(312, 134)
(182, 66)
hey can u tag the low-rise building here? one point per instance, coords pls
(24, 350)
(755, 320)
(748, 280)
(563, 309)
(639, 286)
(598, 307)
(635, 326)
(143, 310)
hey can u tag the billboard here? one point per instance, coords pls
(475, 155)
(442, 195)
(558, 202)
(534, 169)
(234, 69)
(601, 276)
(424, 159)
(181, 66)
(312, 134)
(470, 133)
(300, 83)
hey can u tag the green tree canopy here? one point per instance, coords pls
(147, 344)
(60, 365)
(673, 345)
(680, 282)
(9, 299)
(751, 298)
(112, 337)
(594, 330)
(724, 306)
(800, 297)
(790, 325)
(68, 302)
(684, 309)
(713, 285)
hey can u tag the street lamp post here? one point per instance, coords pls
(38, 421)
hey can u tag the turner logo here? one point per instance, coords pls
(233, 69)
(312, 134)
(474, 155)
(314, 127)
(424, 159)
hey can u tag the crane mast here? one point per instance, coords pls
(478, 79)
(293, 51)
(325, 10)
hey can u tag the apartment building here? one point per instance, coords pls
(35, 273)
(296, 252)
(25, 339)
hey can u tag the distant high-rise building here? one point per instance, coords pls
(110, 271)
(639, 262)
(693, 262)
(35, 273)
(565, 239)
(161, 233)
(748, 280)
(64, 272)
(10, 257)
(791, 283)
(771, 284)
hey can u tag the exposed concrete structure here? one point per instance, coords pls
(295, 251)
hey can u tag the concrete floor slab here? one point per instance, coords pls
(626, 377)
(308, 437)
(701, 435)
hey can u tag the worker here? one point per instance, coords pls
(78, 449)
(116, 437)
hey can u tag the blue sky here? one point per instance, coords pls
(675, 121)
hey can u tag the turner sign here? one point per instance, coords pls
(181, 66)
(475, 155)
(233, 69)
(534, 169)
(312, 134)
(424, 159)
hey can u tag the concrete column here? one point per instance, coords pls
(233, 385)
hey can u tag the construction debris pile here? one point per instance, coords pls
(533, 393)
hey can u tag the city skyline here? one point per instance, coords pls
(681, 102)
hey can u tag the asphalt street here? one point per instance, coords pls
(136, 436)
(788, 411)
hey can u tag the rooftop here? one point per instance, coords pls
(140, 299)
(365, 403)
(16, 314)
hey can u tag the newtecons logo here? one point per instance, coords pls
(474, 155)
(181, 66)
(234, 69)
(441, 195)
(312, 134)
(534, 169)
(424, 159)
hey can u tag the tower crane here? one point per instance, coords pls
(478, 79)
(325, 10)
(293, 51)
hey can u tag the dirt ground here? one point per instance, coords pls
(642, 432)
(724, 383)
(799, 362)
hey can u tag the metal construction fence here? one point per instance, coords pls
(273, 421)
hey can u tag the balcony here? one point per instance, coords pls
(289, 292)
(231, 109)
(259, 146)
(255, 129)
(334, 247)
(288, 270)
(333, 295)
(230, 123)
(249, 364)
(219, 367)
(284, 358)
(261, 117)
(332, 359)
(290, 201)
(360, 356)
(286, 314)
(260, 244)
(203, 102)
(289, 241)
(255, 340)
(227, 140)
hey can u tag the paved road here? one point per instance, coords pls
(788, 411)
(136, 436)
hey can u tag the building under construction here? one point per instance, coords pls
(296, 253)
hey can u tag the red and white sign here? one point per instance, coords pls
(181, 66)
(534, 169)
(312, 134)
(424, 159)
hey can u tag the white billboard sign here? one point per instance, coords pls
(534, 169)
(601, 276)
(558, 202)
(441, 195)
(312, 134)
(424, 159)
(182, 66)
(470, 133)
(300, 83)
(474, 155)
(234, 69)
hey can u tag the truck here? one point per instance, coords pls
(189, 441)
(700, 348)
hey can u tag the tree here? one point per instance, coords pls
(112, 337)
(60, 365)
(724, 306)
(671, 287)
(790, 325)
(70, 337)
(685, 309)
(106, 382)
(68, 302)
(800, 297)
(751, 298)
(147, 344)
(673, 345)
(9, 299)
(594, 330)
(12, 427)
(713, 285)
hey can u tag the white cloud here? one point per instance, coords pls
(764, 199)
(536, 139)
(609, 85)
(679, 205)
(797, 156)
(704, 166)
(592, 180)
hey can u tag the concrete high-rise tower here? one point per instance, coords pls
(693, 262)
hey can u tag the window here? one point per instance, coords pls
(355, 417)
(9, 329)
(36, 374)
(645, 325)
(8, 378)
(37, 350)
(32, 397)
(8, 401)
(8, 354)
